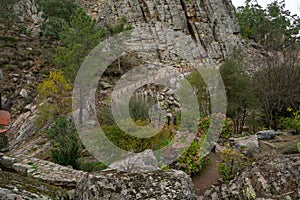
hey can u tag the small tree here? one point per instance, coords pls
(277, 82)
(55, 13)
(54, 98)
(79, 37)
(239, 90)
(277, 87)
(65, 143)
(202, 92)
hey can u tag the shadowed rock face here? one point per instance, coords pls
(272, 178)
(161, 185)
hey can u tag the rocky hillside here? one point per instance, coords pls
(26, 58)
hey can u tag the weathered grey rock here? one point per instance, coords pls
(21, 168)
(16, 187)
(248, 143)
(24, 93)
(136, 163)
(28, 9)
(22, 128)
(7, 162)
(266, 134)
(162, 185)
(272, 178)
(47, 171)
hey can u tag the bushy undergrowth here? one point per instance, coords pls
(292, 122)
(232, 162)
(66, 147)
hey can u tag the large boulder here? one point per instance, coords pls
(135, 163)
(156, 185)
(247, 145)
(272, 178)
(266, 134)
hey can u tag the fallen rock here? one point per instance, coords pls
(246, 144)
(159, 185)
(266, 135)
(135, 163)
(7, 162)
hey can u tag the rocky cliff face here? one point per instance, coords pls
(211, 23)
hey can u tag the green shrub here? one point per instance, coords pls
(135, 144)
(139, 108)
(190, 161)
(292, 122)
(66, 146)
(232, 162)
(92, 166)
(298, 146)
(204, 124)
(55, 13)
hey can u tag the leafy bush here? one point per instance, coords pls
(56, 12)
(131, 143)
(65, 143)
(92, 166)
(139, 108)
(232, 162)
(298, 146)
(191, 162)
(204, 124)
(292, 122)
(202, 92)
(54, 98)
(239, 90)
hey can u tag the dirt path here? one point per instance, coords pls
(208, 176)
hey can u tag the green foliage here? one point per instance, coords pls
(54, 98)
(65, 143)
(190, 161)
(204, 124)
(227, 129)
(277, 88)
(202, 92)
(232, 162)
(92, 166)
(135, 144)
(292, 122)
(79, 37)
(272, 27)
(298, 146)
(118, 27)
(239, 90)
(139, 108)
(56, 12)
